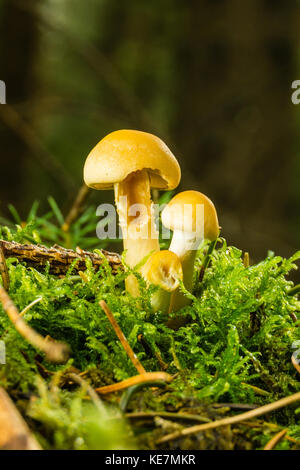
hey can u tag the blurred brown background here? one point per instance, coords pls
(211, 77)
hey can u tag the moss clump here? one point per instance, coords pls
(235, 346)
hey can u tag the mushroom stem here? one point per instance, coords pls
(185, 245)
(135, 209)
(160, 300)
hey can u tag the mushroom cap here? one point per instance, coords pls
(185, 212)
(123, 152)
(163, 269)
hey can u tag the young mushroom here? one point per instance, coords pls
(132, 162)
(163, 269)
(192, 217)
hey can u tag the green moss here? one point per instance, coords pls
(239, 334)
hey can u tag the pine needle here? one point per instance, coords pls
(233, 419)
(122, 338)
(136, 380)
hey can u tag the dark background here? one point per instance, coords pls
(210, 77)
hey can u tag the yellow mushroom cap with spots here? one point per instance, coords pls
(192, 211)
(124, 152)
(163, 269)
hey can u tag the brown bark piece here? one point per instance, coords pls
(60, 259)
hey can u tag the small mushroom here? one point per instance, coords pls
(192, 217)
(132, 162)
(163, 269)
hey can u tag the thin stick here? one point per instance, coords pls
(14, 432)
(76, 207)
(163, 365)
(246, 260)
(122, 338)
(55, 351)
(257, 390)
(275, 440)
(136, 380)
(94, 397)
(59, 259)
(235, 406)
(253, 424)
(26, 309)
(233, 419)
(166, 414)
(4, 270)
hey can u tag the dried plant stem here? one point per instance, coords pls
(59, 259)
(233, 419)
(166, 414)
(246, 260)
(147, 377)
(76, 207)
(122, 338)
(91, 392)
(14, 432)
(55, 352)
(3, 270)
(163, 365)
(253, 424)
(257, 390)
(26, 309)
(275, 440)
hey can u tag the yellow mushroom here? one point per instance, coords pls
(192, 217)
(163, 269)
(132, 162)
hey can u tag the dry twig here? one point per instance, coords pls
(122, 338)
(76, 207)
(275, 440)
(246, 260)
(166, 414)
(233, 419)
(55, 351)
(32, 304)
(93, 395)
(136, 380)
(14, 432)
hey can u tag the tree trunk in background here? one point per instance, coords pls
(20, 32)
(237, 68)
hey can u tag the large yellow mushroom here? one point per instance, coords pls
(132, 162)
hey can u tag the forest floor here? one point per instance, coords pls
(228, 378)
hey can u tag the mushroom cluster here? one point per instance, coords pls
(132, 162)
